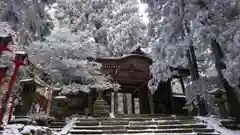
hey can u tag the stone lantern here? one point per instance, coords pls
(220, 100)
(202, 106)
(100, 107)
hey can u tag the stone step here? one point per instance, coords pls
(154, 134)
(22, 117)
(141, 118)
(140, 115)
(205, 130)
(162, 122)
(122, 131)
(133, 119)
(203, 133)
(56, 126)
(103, 127)
(149, 116)
(57, 123)
(56, 129)
(126, 122)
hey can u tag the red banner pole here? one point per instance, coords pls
(9, 92)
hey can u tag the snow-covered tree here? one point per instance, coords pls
(29, 19)
(206, 23)
(115, 26)
(64, 53)
(168, 44)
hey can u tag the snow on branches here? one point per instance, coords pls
(168, 45)
(115, 26)
(64, 53)
(198, 21)
(27, 18)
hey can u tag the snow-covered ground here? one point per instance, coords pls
(19, 129)
(214, 123)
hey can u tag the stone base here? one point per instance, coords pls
(101, 109)
(230, 124)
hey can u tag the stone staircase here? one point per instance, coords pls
(139, 124)
(57, 126)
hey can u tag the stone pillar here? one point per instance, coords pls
(115, 102)
(150, 102)
(133, 104)
(125, 104)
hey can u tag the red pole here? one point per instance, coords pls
(9, 92)
(11, 109)
(40, 101)
(2, 105)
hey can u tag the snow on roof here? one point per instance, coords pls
(139, 52)
(25, 80)
(179, 95)
(217, 90)
(124, 56)
(60, 97)
(75, 88)
(20, 52)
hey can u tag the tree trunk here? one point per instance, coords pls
(192, 61)
(192, 64)
(231, 95)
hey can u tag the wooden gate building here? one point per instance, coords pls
(132, 73)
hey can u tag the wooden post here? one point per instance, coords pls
(115, 102)
(125, 108)
(90, 102)
(140, 100)
(182, 85)
(150, 102)
(133, 104)
(86, 112)
(49, 102)
(109, 100)
(170, 96)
